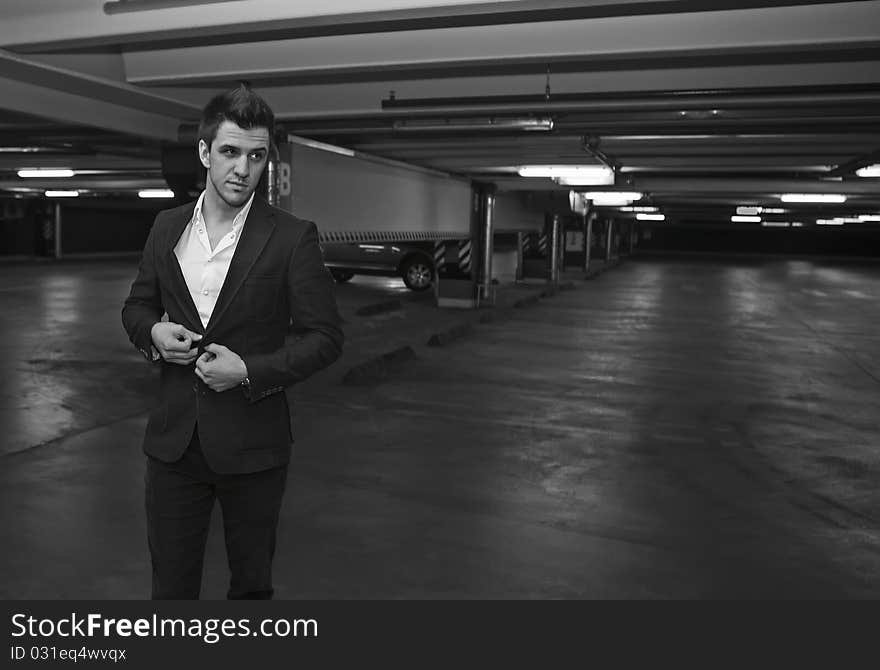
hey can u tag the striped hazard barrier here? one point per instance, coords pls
(464, 255)
(526, 243)
(542, 244)
(384, 236)
(439, 255)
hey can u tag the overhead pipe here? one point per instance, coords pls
(851, 166)
(454, 106)
(835, 90)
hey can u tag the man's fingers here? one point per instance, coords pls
(178, 357)
(216, 348)
(200, 363)
(173, 344)
(177, 331)
(201, 375)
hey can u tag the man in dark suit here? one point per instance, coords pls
(231, 272)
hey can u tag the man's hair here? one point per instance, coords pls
(240, 105)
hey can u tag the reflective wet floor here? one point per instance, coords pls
(675, 428)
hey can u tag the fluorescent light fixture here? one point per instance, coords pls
(829, 222)
(748, 211)
(797, 224)
(869, 217)
(851, 219)
(23, 150)
(775, 224)
(638, 209)
(642, 216)
(612, 198)
(156, 193)
(39, 173)
(834, 198)
(745, 219)
(583, 181)
(62, 194)
(429, 125)
(869, 171)
(584, 175)
(772, 210)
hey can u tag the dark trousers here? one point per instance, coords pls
(179, 500)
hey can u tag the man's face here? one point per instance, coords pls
(235, 161)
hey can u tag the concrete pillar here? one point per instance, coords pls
(487, 246)
(555, 244)
(57, 230)
(459, 288)
(519, 256)
(590, 218)
(272, 178)
(609, 232)
(585, 221)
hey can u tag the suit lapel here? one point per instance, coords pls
(177, 284)
(257, 229)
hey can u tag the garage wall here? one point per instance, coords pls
(860, 240)
(105, 229)
(355, 198)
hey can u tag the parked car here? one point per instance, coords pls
(411, 261)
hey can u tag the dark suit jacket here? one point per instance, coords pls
(277, 273)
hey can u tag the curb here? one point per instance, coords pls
(497, 314)
(379, 367)
(529, 300)
(379, 308)
(556, 289)
(445, 337)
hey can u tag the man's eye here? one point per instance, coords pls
(229, 152)
(257, 157)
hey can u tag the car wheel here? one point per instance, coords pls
(341, 275)
(417, 274)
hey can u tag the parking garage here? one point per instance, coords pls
(607, 275)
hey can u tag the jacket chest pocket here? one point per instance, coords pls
(260, 295)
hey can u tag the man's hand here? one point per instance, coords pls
(220, 368)
(173, 342)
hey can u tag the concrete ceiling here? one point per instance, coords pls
(702, 105)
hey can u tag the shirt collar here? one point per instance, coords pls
(237, 222)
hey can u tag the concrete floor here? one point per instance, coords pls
(671, 429)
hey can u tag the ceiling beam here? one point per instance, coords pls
(96, 88)
(462, 15)
(69, 97)
(767, 186)
(735, 56)
(721, 187)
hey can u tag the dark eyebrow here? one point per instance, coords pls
(225, 146)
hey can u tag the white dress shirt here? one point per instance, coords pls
(204, 269)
